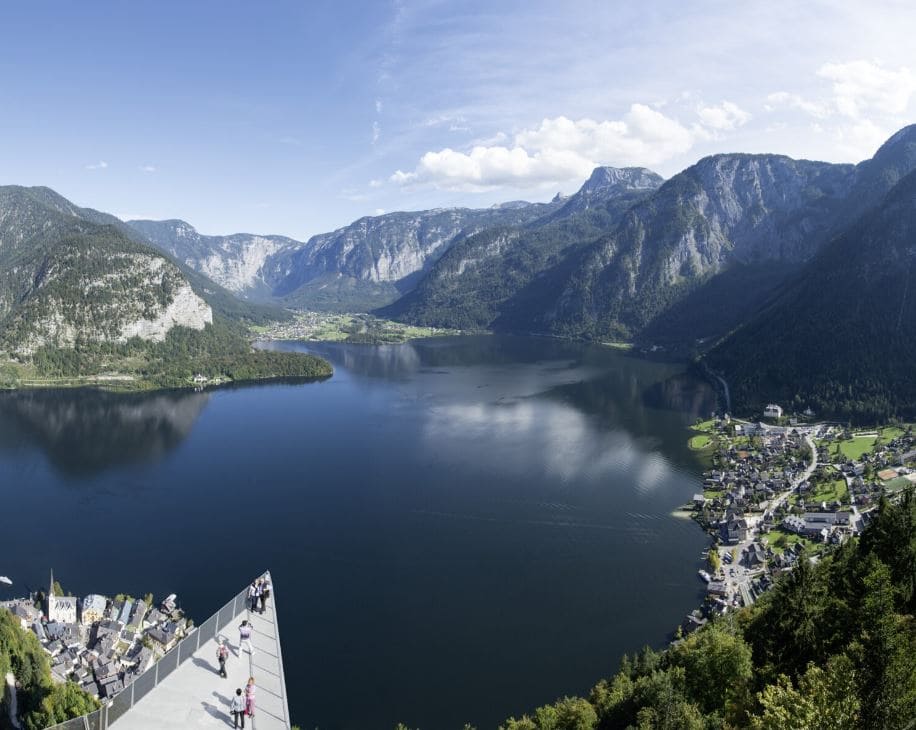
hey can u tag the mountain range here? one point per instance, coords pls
(364, 265)
(729, 259)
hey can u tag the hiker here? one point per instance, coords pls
(222, 654)
(245, 637)
(237, 708)
(265, 593)
(249, 697)
(253, 596)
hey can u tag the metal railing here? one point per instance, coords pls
(145, 683)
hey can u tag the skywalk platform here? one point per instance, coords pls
(194, 695)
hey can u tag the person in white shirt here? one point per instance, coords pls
(237, 708)
(245, 632)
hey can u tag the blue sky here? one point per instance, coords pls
(299, 117)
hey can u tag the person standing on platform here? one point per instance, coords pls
(222, 654)
(237, 708)
(249, 697)
(253, 596)
(245, 632)
(265, 593)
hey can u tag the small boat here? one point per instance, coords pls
(704, 575)
(4, 579)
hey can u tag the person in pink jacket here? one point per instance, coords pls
(249, 697)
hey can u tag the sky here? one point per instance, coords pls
(297, 118)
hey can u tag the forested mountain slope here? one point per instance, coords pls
(841, 336)
(475, 282)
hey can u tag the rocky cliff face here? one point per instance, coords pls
(392, 248)
(725, 210)
(66, 280)
(236, 262)
(609, 182)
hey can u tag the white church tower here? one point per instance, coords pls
(60, 608)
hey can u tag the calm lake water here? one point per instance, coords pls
(459, 529)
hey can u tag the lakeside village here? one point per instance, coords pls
(780, 491)
(101, 643)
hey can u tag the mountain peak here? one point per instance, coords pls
(621, 178)
(900, 138)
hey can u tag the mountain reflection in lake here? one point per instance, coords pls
(83, 432)
(460, 528)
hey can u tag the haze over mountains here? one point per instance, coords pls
(696, 262)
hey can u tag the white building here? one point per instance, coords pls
(93, 608)
(60, 608)
(772, 411)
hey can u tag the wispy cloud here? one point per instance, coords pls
(100, 165)
(376, 132)
(147, 168)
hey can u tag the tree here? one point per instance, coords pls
(886, 650)
(717, 666)
(61, 703)
(892, 538)
(715, 562)
(570, 713)
(826, 699)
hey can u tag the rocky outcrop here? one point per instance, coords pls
(185, 310)
(65, 280)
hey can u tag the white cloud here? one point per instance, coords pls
(862, 87)
(376, 132)
(724, 117)
(859, 139)
(376, 183)
(147, 168)
(558, 150)
(378, 106)
(100, 165)
(379, 211)
(864, 104)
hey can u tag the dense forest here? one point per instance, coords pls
(219, 352)
(831, 646)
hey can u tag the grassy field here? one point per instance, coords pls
(895, 485)
(854, 448)
(828, 492)
(889, 433)
(779, 540)
(700, 441)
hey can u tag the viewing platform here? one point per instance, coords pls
(184, 688)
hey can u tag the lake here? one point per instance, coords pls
(459, 529)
